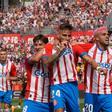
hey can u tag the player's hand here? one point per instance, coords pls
(94, 65)
(40, 50)
(59, 47)
(19, 78)
(101, 71)
(64, 43)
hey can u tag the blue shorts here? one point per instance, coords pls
(33, 106)
(6, 97)
(65, 96)
(98, 103)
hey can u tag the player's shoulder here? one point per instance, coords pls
(89, 45)
(86, 46)
(10, 63)
(110, 50)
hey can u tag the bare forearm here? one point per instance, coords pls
(89, 60)
(36, 57)
(12, 78)
(52, 58)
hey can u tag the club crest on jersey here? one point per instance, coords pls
(105, 65)
(66, 51)
(40, 73)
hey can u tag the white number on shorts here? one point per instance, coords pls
(88, 107)
(52, 95)
(58, 93)
(25, 108)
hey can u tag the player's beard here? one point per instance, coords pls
(3, 61)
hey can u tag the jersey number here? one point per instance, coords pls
(88, 108)
(56, 93)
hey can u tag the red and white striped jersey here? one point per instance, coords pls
(64, 69)
(95, 82)
(6, 69)
(38, 83)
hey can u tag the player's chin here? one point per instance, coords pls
(106, 43)
(3, 59)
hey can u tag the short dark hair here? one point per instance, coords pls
(40, 37)
(3, 49)
(66, 26)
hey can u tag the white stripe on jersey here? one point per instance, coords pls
(96, 83)
(4, 71)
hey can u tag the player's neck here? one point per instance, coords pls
(3, 62)
(102, 47)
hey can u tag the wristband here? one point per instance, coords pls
(98, 68)
(59, 48)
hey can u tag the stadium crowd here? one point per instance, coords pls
(83, 15)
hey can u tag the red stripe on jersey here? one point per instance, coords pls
(110, 73)
(3, 78)
(108, 60)
(73, 68)
(98, 83)
(29, 72)
(36, 84)
(106, 75)
(85, 76)
(59, 75)
(6, 75)
(99, 74)
(65, 68)
(105, 84)
(110, 80)
(51, 75)
(91, 77)
(36, 87)
(43, 89)
(43, 84)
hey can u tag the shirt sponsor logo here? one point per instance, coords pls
(66, 51)
(40, 73)
(105, 65)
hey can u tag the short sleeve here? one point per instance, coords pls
(86, 47)
(79, 51)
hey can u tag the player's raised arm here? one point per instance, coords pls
(54, 55)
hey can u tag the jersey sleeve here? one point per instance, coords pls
(86, 47)
(79, 51)
(13, 70)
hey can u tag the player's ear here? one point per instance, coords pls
(96, 37)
